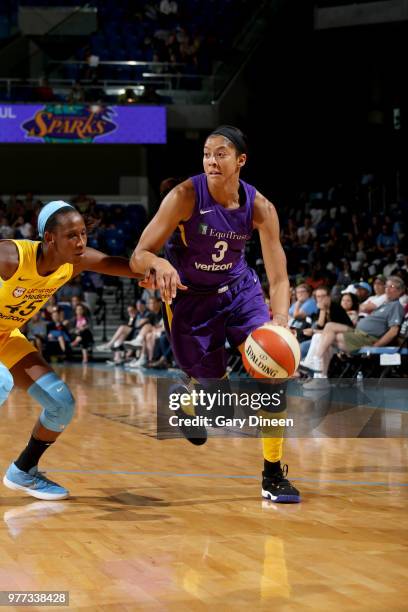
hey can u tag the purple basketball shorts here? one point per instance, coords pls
(199, 324)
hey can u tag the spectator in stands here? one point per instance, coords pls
(374, 301)
(387, 239)
(152, 343)
(344, 276)
(380, 328)
(363, 291)
(304, 304)
(76, 300)
(361, 255)
(306, 233)
(23, 228)
(349, 302)
(303, 308)
(57, 330)
(81, 332)
(137, 319)
(148, 333)
(391, 266)
(328, 311)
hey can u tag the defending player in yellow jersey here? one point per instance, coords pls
(30, 272)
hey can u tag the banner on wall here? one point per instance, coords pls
(82, 123)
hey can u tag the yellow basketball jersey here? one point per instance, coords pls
(22, 295)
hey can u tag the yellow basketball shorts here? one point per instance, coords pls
(13, 347)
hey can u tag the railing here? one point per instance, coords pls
(167, 84)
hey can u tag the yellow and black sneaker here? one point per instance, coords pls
(278, 489)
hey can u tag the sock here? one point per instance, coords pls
(272, 439)
(271, 468)
(31, 454)
(272, 448)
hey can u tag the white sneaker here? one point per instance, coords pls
(137, 363)
(131, 364)
(135, 343)
(102, 348)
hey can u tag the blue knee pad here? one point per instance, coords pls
(6, 383)
(56, 399)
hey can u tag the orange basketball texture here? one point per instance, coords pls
(271, 351)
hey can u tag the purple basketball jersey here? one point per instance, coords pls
(208, 250)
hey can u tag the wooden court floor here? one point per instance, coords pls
(163, 525)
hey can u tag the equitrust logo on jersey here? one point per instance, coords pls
(206, 230)
(70, 123)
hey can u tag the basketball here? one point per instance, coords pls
(271, 351)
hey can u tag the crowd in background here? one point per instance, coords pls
(339, 262)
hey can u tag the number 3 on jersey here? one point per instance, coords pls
(222, 247)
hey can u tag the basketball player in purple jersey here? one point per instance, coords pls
(211, 294)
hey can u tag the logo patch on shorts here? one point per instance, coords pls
(19, 291)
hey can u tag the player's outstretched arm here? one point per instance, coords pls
(176, 207)
(96, 261)
(267, 222)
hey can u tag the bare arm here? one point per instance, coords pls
(321, 320)
(388, 337)
(96, 261)
(9, 259)
(267, 222)
(176, 207)
(367, 307)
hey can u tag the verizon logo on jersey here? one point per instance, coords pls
(212, 267)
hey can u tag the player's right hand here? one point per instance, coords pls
(6, 383)
(167, 280)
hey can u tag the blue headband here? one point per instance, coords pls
(47, 211)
